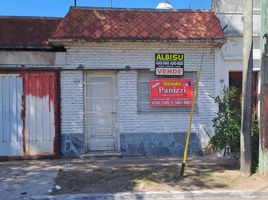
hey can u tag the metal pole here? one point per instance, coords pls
(263, 143)
(190, 125)
(75, 3)
(245, 145)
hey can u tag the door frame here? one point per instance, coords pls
(255, 85)
(100, 73)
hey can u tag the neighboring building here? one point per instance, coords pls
(229, 59)
(29, 89)
(105, 59)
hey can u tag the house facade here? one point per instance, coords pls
(229, 59)
(88, 84)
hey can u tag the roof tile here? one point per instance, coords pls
(138, 24)
(110, 24)
(26, 31)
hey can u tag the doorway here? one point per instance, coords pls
(235, 80)
(101, 111)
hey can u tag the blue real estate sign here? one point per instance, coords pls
(169, 64)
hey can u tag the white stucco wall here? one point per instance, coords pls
(230, 13)
(138, 56)
(230, 58)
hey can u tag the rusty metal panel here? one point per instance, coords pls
(11, 124)
(40, 106)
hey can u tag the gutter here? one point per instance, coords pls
(23, 68)
(214, 42)
(32, 48)
(53, 68)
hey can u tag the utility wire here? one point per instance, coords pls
(234, 13)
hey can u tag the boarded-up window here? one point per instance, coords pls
(144, 93)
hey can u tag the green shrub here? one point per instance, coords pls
(227, 126)
(227, 121)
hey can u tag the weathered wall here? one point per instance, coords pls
(230, 58)
(72, 112)
(32, 58)
(40, 121)
(157, 132)
(230, 6)
(230, 12)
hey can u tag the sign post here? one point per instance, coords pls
(190, 125)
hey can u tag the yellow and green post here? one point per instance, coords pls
(190, 124)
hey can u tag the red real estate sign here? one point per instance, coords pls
(171, 92)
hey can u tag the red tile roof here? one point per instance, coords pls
(110, 25)
(134, 25)
(26, 31)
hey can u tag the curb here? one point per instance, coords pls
(153, 195)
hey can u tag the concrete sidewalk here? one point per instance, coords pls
(191, 195)
(24, 179)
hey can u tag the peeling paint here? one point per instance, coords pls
(40, 100)
(40, 84)
(37, 112)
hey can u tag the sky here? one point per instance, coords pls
(58, 8)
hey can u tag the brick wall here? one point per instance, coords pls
(72, 117)
(137, 56)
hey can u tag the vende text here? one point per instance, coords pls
(169, 71)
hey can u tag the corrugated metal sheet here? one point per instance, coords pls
(28, 113)
(40, 95)
(11, 124)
